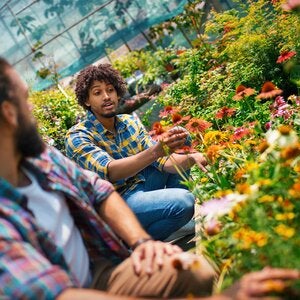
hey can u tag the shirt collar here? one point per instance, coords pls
(119, 124)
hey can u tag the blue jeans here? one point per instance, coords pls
(161, 203)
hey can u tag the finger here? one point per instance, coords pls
(172, 249)
(178, 129)
(159, 255)
(201, 167)
(274, 273)
(136, 258)
(149, 248)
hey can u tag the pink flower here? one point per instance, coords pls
(241, 132)
(268, 125)
(281, 109)
(215, 207)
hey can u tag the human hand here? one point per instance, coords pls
(172, 140)
(151, 252)
(200, 160)
(261, 284)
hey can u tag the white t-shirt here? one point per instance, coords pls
(52, 214)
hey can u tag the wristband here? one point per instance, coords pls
(141, 241)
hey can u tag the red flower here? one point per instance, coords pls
(242, 91)
(225, 112)
(157, 130)
(185, 150)
(269, 90)
(180, 51)
(241, 132)
(178, 118)
(197, 125)
(168, 110)
(285, 55)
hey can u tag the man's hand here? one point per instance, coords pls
(261, 284)
(151, 252)
(173, 139)
(200, 160)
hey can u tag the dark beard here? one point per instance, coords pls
(113, 114)
(28, 141)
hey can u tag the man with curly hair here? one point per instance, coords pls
(120, 150)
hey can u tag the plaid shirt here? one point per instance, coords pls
(31, 266)
(93, 147)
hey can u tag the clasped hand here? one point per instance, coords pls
(150, 254)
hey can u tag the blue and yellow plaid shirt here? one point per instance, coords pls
(31, 265)
(93, 147)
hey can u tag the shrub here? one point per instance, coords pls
(56, 112)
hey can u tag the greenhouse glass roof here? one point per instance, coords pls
(67, 35)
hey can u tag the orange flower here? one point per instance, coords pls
(186, 150)
(178, 118)
(213, 152)
(263, 146)
(242, 91)
(284, 129)
(197, 125)
(168, 110)
(157, 130)
(269, 90)
(285, 55)
(290, 152)
(180, 51)
(295, 190)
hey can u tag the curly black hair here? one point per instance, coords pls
(101, 72)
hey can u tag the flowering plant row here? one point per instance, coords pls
(246, 120)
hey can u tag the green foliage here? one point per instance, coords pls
(56, 112)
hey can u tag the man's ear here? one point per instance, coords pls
(9, 113)
(86, 103)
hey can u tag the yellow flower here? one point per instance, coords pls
(249, 237)
(297, 167)
(250, 143)
(215, 137)
(220, 194)
(250, 166)
(284, 231)
(285, 216)
(266, 198)
(203, 180)
(264, 182)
